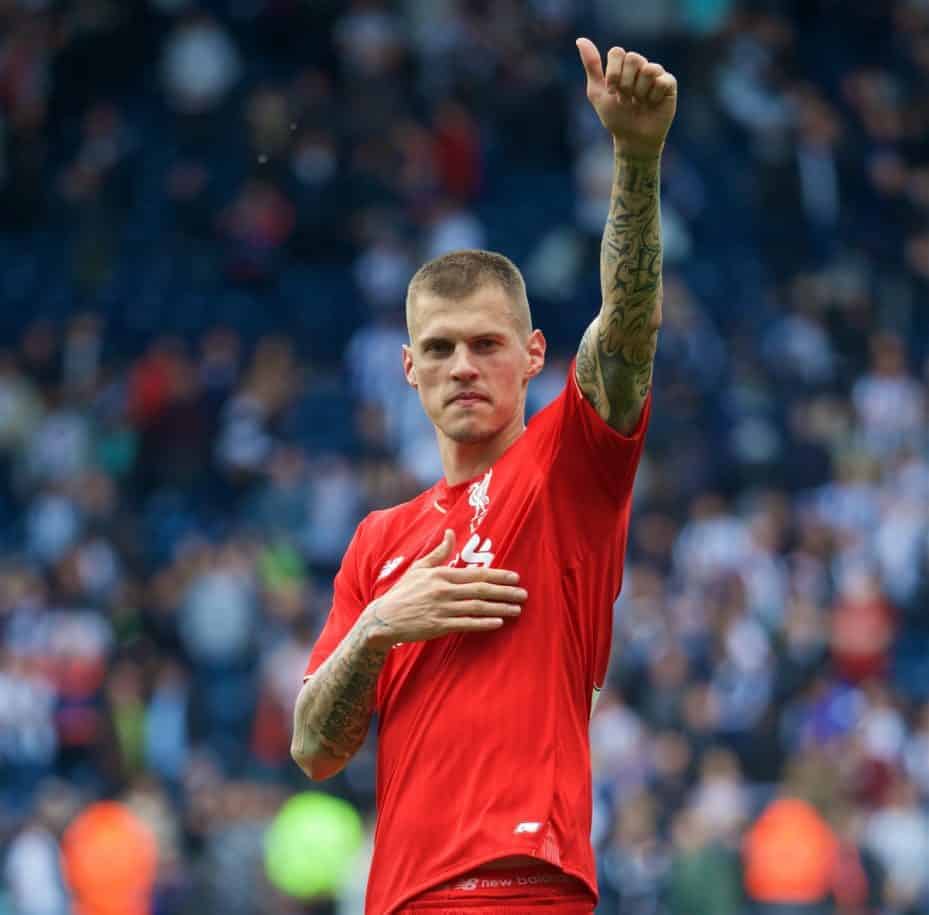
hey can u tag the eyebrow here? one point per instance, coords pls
(488, 335)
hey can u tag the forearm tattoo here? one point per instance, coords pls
(337, 710)
(614, 363)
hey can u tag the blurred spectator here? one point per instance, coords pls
(255, 227)
(166, 734)
(245, 437)
(457, 151)
(200, 64)
(634, 866)
(20, 406)
(704, 875)
(33, 864)
(208, 217)
(898, 836)
(863, 625)
(110, 858)
(890, 404)
(27, 727)
(720, 801)
(790, 858)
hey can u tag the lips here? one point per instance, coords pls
(469, 397)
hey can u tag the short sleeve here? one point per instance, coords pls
(348, 600)
(595, 460)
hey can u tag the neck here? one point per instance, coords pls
(463, 460)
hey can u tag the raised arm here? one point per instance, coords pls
(635, 100)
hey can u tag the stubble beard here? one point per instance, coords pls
(471, 436)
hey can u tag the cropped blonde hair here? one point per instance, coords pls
(458, 274)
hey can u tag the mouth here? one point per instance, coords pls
(469, 398)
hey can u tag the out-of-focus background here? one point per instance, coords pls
(208, 216)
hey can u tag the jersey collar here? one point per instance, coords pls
(444, 496)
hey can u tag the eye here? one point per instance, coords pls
(486, 345)
(437, 347)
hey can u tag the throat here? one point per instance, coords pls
(463, 461)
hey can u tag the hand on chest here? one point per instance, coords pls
(481, 518)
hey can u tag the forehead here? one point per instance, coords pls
(485, 311)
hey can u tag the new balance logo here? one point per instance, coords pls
(470, 883)
(389, 566)
(527, 827)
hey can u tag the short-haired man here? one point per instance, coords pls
(475, 620)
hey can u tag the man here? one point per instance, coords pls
(476, 619)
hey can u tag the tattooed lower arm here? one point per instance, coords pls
(621, 342)
(333, 710)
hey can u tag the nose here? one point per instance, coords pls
(462, 368)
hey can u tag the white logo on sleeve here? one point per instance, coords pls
(479, 498)
(527, 827)
(389, 567)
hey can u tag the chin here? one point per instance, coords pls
(470, 433)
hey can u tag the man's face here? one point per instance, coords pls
(470, 364)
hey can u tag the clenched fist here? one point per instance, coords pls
(635, 99)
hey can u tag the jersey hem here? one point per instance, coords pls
(477, 862)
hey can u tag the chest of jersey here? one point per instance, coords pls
(490, 518)
(506, 519)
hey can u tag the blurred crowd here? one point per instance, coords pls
(209, 212)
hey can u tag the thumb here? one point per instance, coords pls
(440, 553)
(593, 65)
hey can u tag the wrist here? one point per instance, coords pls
(378, 633)
(637, 151)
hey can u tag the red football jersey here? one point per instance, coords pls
(483, 747)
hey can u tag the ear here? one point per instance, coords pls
(408, 368)
(536, 347)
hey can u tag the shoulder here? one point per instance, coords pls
(377, 536)
(373, 527)
(553, 411)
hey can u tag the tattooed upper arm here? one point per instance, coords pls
(615, 358)
(587, 372)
